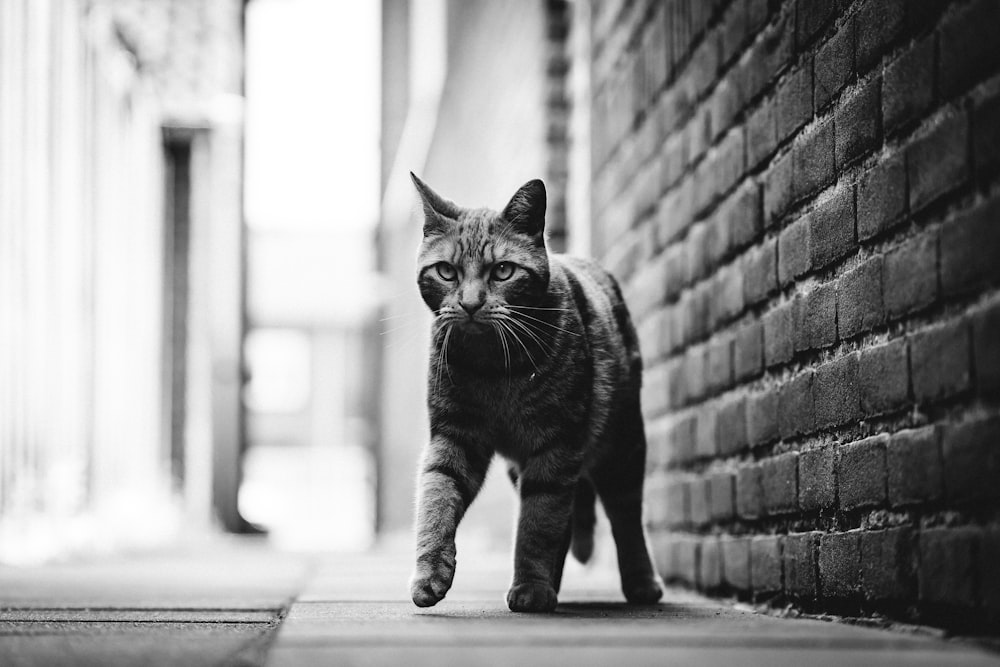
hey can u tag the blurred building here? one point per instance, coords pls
(121, 270)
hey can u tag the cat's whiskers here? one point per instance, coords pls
(545, 346)
(548, 324)
(506, 325)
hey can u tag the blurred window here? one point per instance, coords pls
(280, 371)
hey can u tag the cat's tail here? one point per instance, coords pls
(582, 545)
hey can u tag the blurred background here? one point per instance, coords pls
(208, 312)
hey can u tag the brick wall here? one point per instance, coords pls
(802, 201)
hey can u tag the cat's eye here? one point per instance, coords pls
(503, 271)
(446, 271)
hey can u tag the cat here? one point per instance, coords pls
(533, 357)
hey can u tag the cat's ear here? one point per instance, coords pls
(439, 213)
(526, 209)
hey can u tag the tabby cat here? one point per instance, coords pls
(534, 357)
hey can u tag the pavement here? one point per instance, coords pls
(240, 603)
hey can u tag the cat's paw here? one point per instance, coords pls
(531, 597)
(431, 582)
(643, 591)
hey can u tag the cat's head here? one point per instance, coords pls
(474, 264)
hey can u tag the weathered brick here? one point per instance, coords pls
(778, 341)
(760, 272)
(726, 300)
(878, 21)
(676, 497)
(909, 276)
(722, 495)
(938, 162)
(940, 358)
(861, 472)
(731, 429)
(762, 417)
(817, 480)
(908, 90)
(719, 366)
(811, 17)
(770, 55)
(882, 197)
(887, 564)
(748, 351)
(913, 460)
(749, 492)
(839, 564)
(680, 440)
(705, 444)
(858, 119)
(972, 460)
(813, 159)
(710, 566)
(736, 561)
(762, 136)
(836, 392)
(831, 235)
(779, 480)
(795, 250)
(765, 564)
(968, 50)
(800, 565)
(884, 378)
(821, 316)
(859, 299)
(986, 348)
(778, 188)
(947, 571)
(794, 102)
(970, 249)
(698, 500)
(834, 64)
(687, 559)
(985, 133)
(796, 412)
(989, 574)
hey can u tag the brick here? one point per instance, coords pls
(836, 392)
(859, 299)
(718, 239)
(679, 440)
(940, 358)
(742, 215)
(710, 567)
(947, 571)
(796, 412)
(699, 501)
(972, 460)
(800, 323)
(734, 31)
(821, 316)
(765, 564)
(736, 562)
(719, 366)
(985, 133)
(722, 495)
(800, 565)
(749, 492)
(762, 137)
(989, 575)
(817, 480)
(705, 444)
(968, 50)
(861, 473)
(831, 236)
(986, 348)
(970, 249)
(834, 64)
(779, 480)
(726, 300)
(811, 17)
(687, 559)
(887, 564)
(882, 197)
(908, 90)
(778, 188)
(676, 496)
(878, 23)
(814, 160)
(748, 351)
(762, 418)
(909, 276)
(794, 102)
(938, 162)
(760, 273)
(839, 564)
(858, 120)
(794, 250)
(768, 56)
(778, 342)
(731, 429)
(915, 469)
(884, 378)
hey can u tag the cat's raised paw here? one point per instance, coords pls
(531, 597)
(647, 591)
(429, 585)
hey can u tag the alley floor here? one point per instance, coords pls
(238, 603)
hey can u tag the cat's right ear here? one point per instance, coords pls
(439, 213)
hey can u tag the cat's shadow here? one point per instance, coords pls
(581, 610)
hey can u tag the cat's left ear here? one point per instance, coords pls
(526, 209)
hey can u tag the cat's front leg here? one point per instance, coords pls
(450, 477)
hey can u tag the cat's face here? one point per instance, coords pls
(476, 265)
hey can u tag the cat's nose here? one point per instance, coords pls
(472, 298)
(471, 307)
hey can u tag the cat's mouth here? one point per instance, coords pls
(474, 327)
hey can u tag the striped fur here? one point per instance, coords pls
(534, 357)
